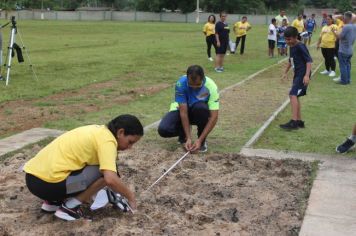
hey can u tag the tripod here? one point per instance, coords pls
(12, 41)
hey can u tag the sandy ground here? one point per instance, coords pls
(210, 194)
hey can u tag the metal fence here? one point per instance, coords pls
(131, 16)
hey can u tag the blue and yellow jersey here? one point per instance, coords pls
(187, 95)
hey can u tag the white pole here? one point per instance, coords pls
(12, 40)
(180, 159)
(197, 19)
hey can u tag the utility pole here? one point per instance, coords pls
(197, 19)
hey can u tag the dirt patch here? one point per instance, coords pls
(21, 115)
(205, 195)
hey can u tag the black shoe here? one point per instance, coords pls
(342, 148)
(291, 125)
(204, 147)
(181, 140)
(300, 124)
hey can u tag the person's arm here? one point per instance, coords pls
(183, 112)
(217, 30)
(248, 27)
(306, 78)
(205, 28)
(319, 42)
(115, 183)
(285, 76)
(208, 128)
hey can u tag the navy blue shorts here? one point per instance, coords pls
(223, 47)
(298, 88)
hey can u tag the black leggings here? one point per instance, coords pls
(243, 39)
(328, 54)
(76, 182)
(210, 41)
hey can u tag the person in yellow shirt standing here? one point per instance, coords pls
(299, 24)
(326, 42)
(240, 29)
(79, 163)
(209, 32)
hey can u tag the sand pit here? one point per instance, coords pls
(205, 195)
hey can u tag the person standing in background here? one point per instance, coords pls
(299, 24)
(326, 42)
(279, 18)
(272, 38)
(209, 32)
(240, 29)
(222, 31)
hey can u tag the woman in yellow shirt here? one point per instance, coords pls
(209, 32)
(299, 24)
(240, 29)
(79, 163)
(326, 42)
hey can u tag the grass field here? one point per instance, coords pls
(103, 63)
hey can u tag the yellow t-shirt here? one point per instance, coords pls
(328, 38)
(299, 24)
(209, 29)
(241, 28)
(340, 24)
(73, 150)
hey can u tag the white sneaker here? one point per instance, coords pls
(325, 72)
(210, 59)
(337, 79)
(335, 58)
(332, 73)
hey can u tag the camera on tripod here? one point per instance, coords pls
(13, 21)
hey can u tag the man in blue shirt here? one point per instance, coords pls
(196, 103)
(346, 38)
(310, 26)
(300, 61)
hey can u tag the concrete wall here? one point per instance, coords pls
(141, 16)
(126, 16)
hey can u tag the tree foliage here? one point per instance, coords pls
(231, 6)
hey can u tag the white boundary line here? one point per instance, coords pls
(260, 131)
(156, 123)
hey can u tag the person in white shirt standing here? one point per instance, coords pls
(272, 37)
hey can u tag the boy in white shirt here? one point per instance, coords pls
(272, 37)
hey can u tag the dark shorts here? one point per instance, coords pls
(271, 44)
(223, 47)
(76, 182)
(298, 88)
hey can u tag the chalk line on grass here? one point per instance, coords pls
(260, 131)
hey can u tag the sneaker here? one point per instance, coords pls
(325, 72)
(337, 79)
(210, 59)
(300, 124)
(69, 214)
(181, 140)
(335, 58)
(1, 78)
(50, 207)
(218, 70)
(291, 125)
(332, 73)
(204, 147)
(342, 148)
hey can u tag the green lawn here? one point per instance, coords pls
(329, 113)
(72, 55)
